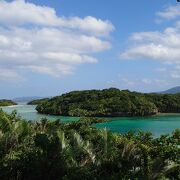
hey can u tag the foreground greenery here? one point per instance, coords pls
(54, 150)
(5, 102)
(109, 102)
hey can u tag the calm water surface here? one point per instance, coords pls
(161, 124)
(29, 112)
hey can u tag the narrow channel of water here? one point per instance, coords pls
(161, 124)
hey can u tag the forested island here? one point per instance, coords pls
(5, 102)
(52, 150)
(37, 101)
(109, 102)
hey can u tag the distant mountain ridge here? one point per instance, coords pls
(26, 99)
(173, 90)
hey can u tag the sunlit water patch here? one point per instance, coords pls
(29, 112)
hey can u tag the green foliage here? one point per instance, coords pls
(38, 101)
(166, 102)
(5, 102)
(111, 102)
(54, 150)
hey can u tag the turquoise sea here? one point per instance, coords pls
(29, 112)
(160, 124)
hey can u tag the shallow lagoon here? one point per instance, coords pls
(160, 124)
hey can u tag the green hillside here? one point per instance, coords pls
(109, 102)
(5, 102)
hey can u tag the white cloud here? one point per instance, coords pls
(19, 12)
(175, 74)
(146, 81)
(170, 12)
(163, 69)
(10, 76)
(153, 51)
(138, 82)
(177, 67)
(162, 46)
(35, 38)
(64, 69)
(127, 81)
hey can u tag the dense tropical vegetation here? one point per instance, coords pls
(54, 150)
(110, 102)
(37, 101)
(5, 102)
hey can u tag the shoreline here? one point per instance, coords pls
(155, 115)
(162, 114)
(108, 116)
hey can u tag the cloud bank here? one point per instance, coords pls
(170, 12)
(36, 39)
(162, 46)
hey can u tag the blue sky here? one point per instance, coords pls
(51, 47)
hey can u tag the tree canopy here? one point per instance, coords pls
(37, 101)
(5, 102)
(109, 102)
(54, 150)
